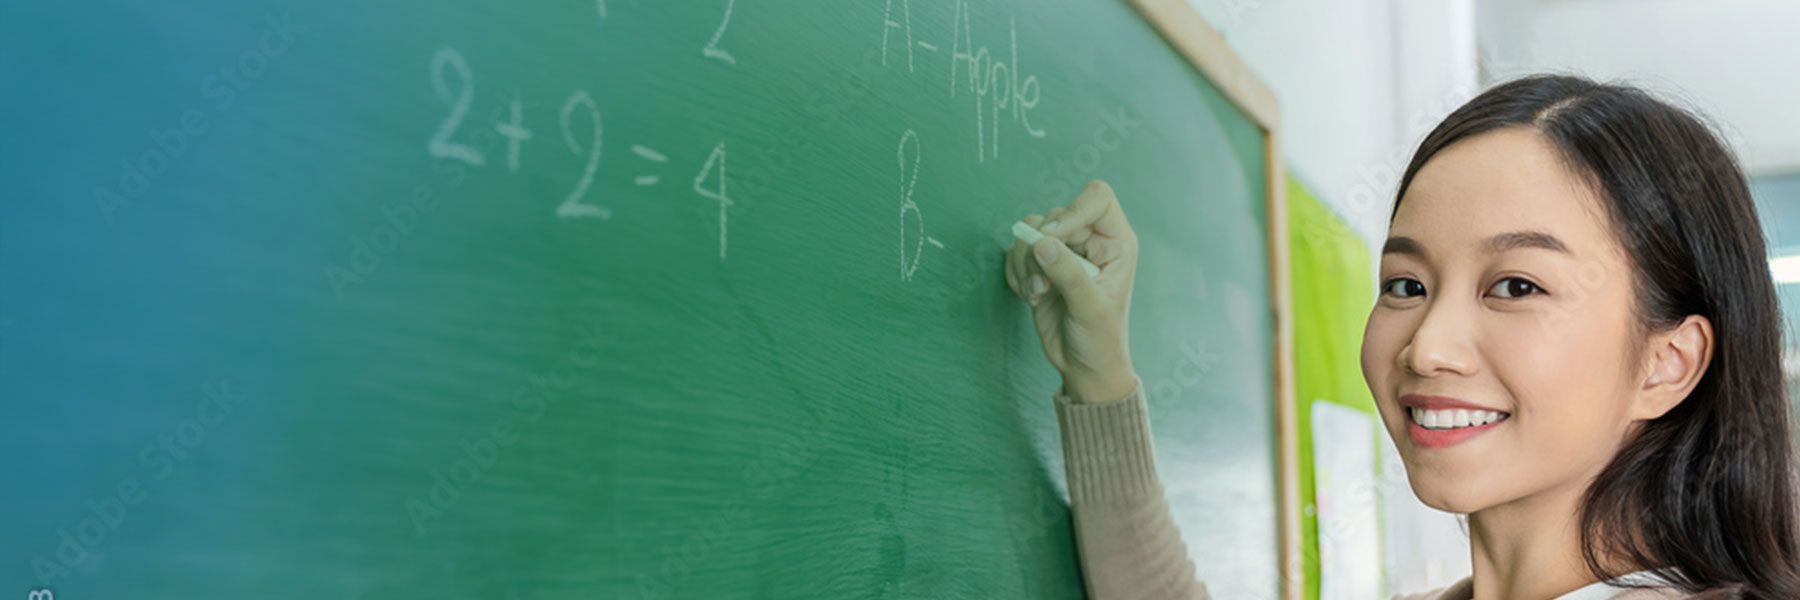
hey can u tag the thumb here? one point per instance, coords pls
(1079, 292)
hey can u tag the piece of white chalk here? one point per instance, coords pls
(1030, 235)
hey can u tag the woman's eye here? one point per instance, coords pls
(1514, 287)
(1403, 287)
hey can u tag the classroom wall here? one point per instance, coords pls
(1721, 57)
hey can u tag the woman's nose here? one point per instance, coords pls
(1443, 343)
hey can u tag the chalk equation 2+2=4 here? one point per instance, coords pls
(578, 107)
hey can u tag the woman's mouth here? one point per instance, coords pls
(1444, 428)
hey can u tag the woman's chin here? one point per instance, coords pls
(1450, 495)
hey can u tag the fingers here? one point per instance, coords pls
(1006, 259)
(1019, 273)
(1095, 207)
(1080, 294)
(1075, 226)
(1015, 267)
(1032, 283)
(1071, 237)
(1029, 276)
(1022, 275)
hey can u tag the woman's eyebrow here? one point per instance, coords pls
(1403, 245)
(1524, 239)
(1494, 245)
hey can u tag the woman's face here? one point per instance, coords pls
(1504, 295)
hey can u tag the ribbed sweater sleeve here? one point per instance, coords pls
(1127, 539)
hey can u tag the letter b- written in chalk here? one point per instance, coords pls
(909, 179)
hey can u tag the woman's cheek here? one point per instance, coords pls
(1560, 372)
(1379, 351)
(1383, 337)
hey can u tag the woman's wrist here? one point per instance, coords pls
(1100, 387)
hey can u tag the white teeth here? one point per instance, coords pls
(1450, 419)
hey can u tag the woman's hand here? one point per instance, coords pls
(1081, 321)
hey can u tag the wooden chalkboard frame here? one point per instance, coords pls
(1206, 49)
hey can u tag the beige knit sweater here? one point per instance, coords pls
(1126, 536)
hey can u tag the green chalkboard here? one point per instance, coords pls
(608, 299)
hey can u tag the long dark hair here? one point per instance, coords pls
(1705, 494)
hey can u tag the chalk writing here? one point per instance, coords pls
(440, 145)
(652, 156)
(889, 24)
(712, 49)
(582, 130)
(718, 157)
(994, 85)
(571, 206)
(908, 181)
(515, 133)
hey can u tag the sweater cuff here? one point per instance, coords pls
(1107, 448)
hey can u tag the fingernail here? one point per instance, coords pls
(1046, 253)
(1047, 226)
(1038, 285)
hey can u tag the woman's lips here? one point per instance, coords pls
(1444, 438)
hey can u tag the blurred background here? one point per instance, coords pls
(1734, 61)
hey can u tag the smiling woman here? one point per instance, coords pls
(1636, 342)
(1576, 343)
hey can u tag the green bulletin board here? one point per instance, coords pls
(1333, 292)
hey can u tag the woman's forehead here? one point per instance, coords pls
(1500, 190)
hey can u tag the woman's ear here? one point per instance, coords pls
(1677, 359)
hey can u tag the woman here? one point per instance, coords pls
(1575, 343)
